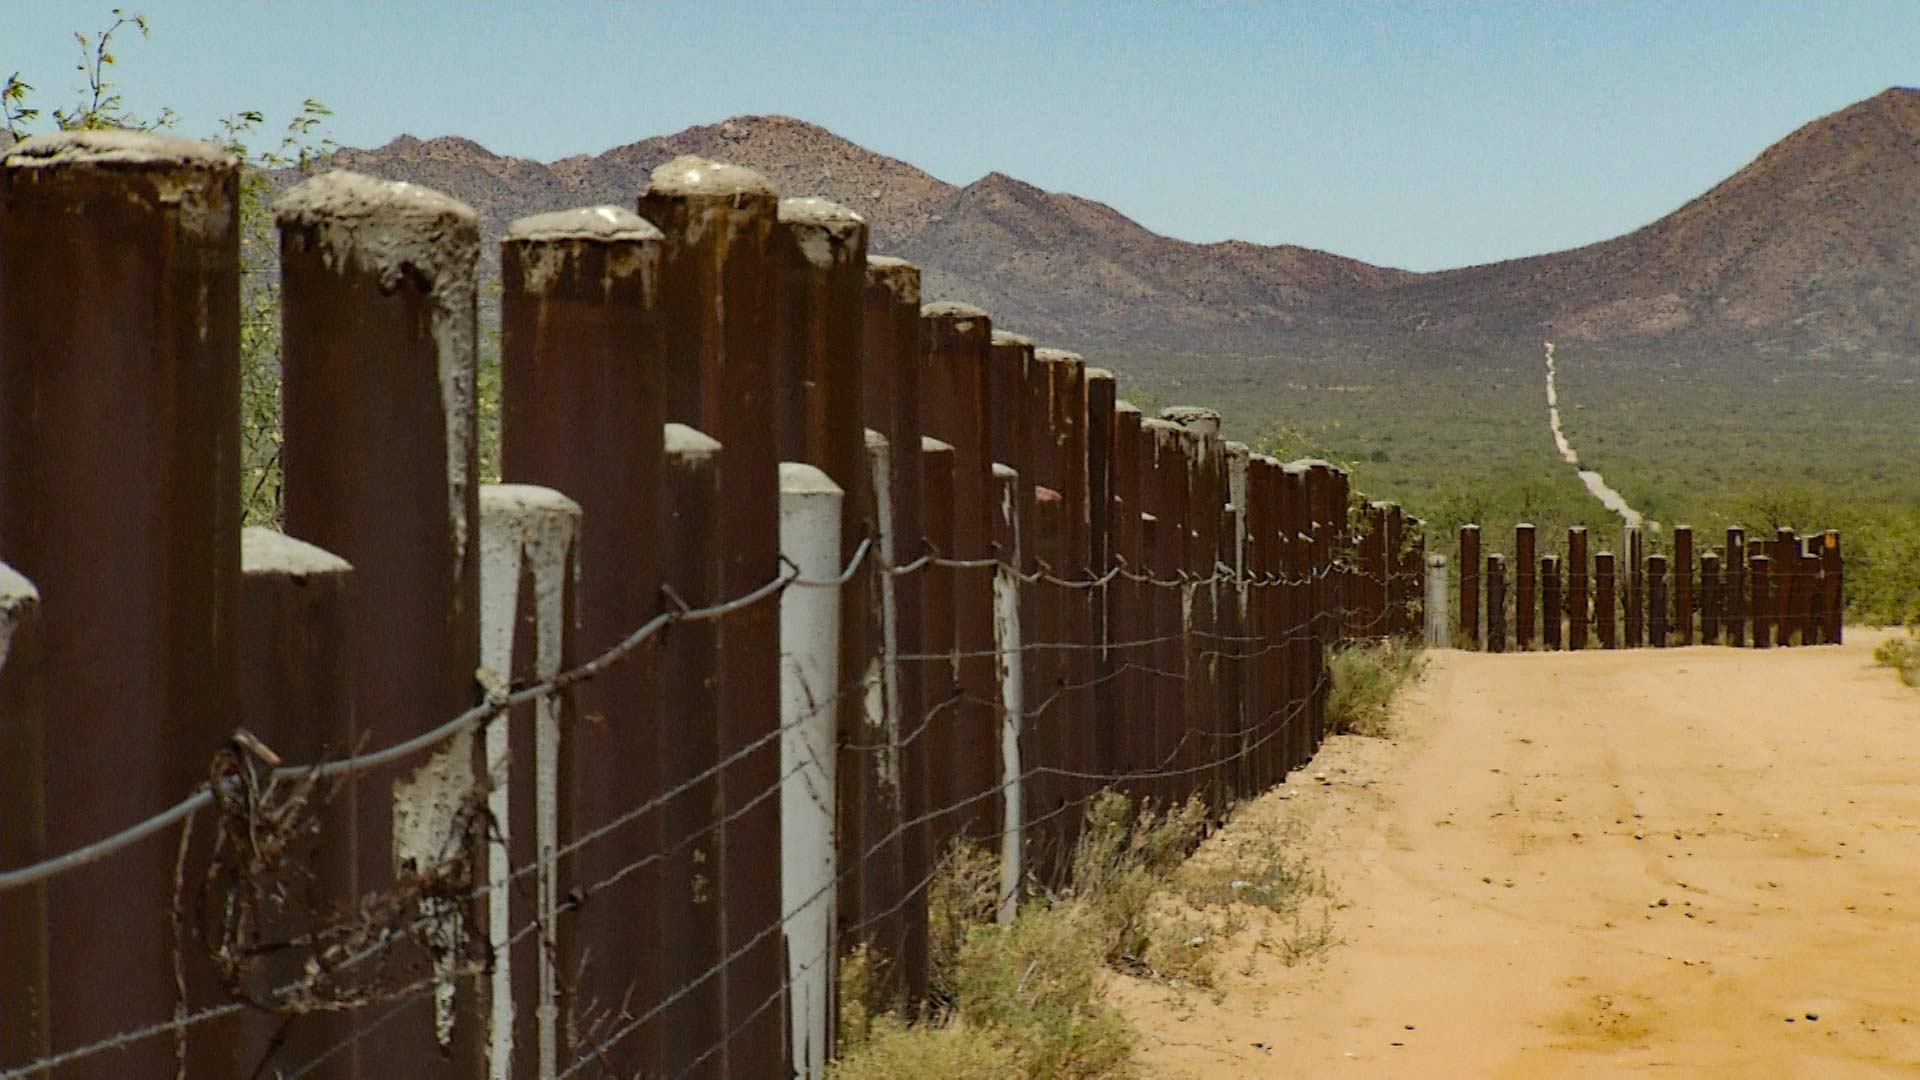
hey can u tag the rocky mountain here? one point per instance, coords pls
(1813, 249)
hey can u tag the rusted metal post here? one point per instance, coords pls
(119, 500)
(1785, 566)
(377, 308)
(1127, 700)
(1098, 442)
(1683, 583)
(1470, 585)
(1397, 596)
(1710, 598)
(1328, 596)
(1578, 602)
(956, 409)
(1305, 660)
(1262, 622)
(1043, 740)
(1550, 600)
(1372, 600)
(717, 289)
(1761, 591)
(1496, 603)
(296, 687)
(1657, 601)
(1014, 433)
(891, 372)
(1205, 731)
(1605, 598)
(1525, 560)
(882, 930)
(1167, 501)
(1831, 569)
(935, 734)
(1008, 660)
(1809, 606)
(820, 254)
(582, 403)
(1636, 623)
(1061, 464)
(1240, 656)
(1733, 586)
(529, 570)
(692, 825)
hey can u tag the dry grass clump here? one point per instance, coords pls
(1365, 677)
(1902, 655)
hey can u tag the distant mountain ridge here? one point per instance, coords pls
(1813, 248)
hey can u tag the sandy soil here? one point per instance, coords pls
(1696, 862)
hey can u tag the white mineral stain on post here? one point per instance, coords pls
(883, 684)
(897, 276)
(390, 228)
(824, 230)
(809, 680)
(1013, 696)
(523, 529)
(551, 240)
(18, 602)
(963, 316)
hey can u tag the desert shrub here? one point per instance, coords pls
(1365, 677)
(1901, 654)
(892, 1049)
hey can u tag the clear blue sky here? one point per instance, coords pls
(1421, 135)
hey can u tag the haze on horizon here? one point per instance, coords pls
(1414, 135)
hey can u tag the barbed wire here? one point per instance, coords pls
(498, 703)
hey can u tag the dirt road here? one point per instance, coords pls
(1696, 862)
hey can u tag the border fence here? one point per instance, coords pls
(1766, 591)
(796, 582)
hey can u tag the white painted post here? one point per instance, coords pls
(809, 682)
(1013, 690)
(1437, 602)
(529, 533)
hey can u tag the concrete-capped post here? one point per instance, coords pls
(529, 572)
(693, 831)
(1164, 465)
(379, 406)
(1786, 568)
(956, 408)
(1470, 585)
(296, 686)
(1014, 434)
(717, 290)
(890, 369)
(810, 509)
(1436, 628)
(1761, 592)
(1202, 728)
(119, 499)
(1062, 464)
(582, 404)
(1007, 485)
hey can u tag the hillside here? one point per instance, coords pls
(1811, 250)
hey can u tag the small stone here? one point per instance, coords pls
(1663, 902)
(1813, 1016)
